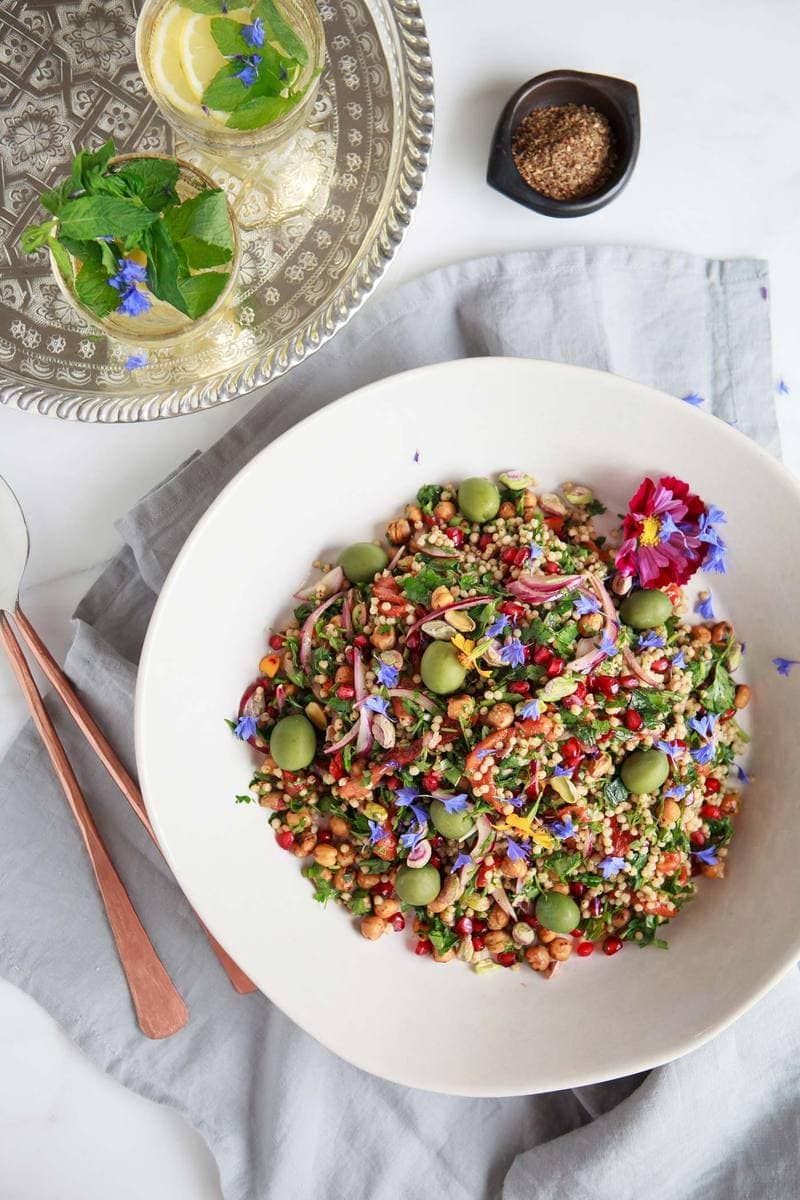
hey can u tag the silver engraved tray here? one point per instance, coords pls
(339, 200)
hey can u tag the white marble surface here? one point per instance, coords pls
(717, 175)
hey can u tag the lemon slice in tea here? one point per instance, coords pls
(165, 62)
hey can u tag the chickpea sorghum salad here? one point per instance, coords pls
(503, 729)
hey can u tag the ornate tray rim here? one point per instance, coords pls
(417, 83)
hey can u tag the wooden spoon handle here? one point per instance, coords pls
(160, 1010)
(116, 769)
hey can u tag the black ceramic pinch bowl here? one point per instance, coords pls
(617, 99)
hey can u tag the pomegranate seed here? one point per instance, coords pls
(423, 946)
(435, 861)
(607, 684)
(514, 611)
(478, 943)
(551, 568)
(456, 535)
(660, 665)
(584, 949)
(361, 640)
(532, 791)
(349, 655)
(555, 667)
(629, 682)
(712, 812)
(482, 876)
(429, 520)
(698, 838)
(485, 541)
(508, 555)
(580, 691)
(285, 839)
(431, 781)
(383, 888)
(577, 889)
(412, 641)
(506, 958)
(542, 655)
(612, 945)
(463, 926)
(530, 919)
(276, 641)
(345, 691)
(595, 905)
(726, 716)
(325, 836)
(571, 749)
(576, 933)
(633, 719)
(398, 922)
(437, 842)
(712, 786)
(391, 782)
(519, 557)
(336, 766)
(478, 925)
(520, 687)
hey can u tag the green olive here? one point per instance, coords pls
(644, 771)
(418, 885)
(441, 669)
(293, 742)
(646, 609)
(455, 825)
(558, 912)
(478, 499)
(362, 561)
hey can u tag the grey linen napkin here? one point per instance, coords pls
(284, 1117)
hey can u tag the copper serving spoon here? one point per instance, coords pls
(159, 1008)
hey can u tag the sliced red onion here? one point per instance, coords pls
(348, 737)
(395, 559)
(280, 696)
(332, 581)
(364, 742)
(418, 698)
(538, 589)
(499, 896)
(420, 854)
(347, 611)
(484, 831)
(438, 612)
(586, 662)
(638, 670)
(308, 630)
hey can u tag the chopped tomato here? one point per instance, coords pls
(669, 863)
(555, 523)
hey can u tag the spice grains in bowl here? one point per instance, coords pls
(565, 152)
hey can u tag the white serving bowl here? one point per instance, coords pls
(336, 478)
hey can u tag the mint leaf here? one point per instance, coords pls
(90, 165)
(201, 291)
(228, 36)
(165, 268)
(225, 91)
(63, 260)
(203, 6)
(200, 254)
(55, 197)
(719, 696)
(262, 110)
(35, 236)
(103, 216)
(151, 179)
(277, 30)
(204, 218)
(93, 289)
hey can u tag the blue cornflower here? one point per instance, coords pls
(585, 604)
(516, 801)
(563, 829)
(705, 609)
(742, 775)
(484, 753)
(704, 755)
(651, 641)
(497, 626)
(416, 456)
(513, 653)
(410, 839)
(376, 833)
(611, 866)
(128, 272)
(515, 851)
(715, 557)
(678, 791)
(534, 552)
(134, 302)
(782, 388)
(668, 528)
(377, 704)
(707, 855)
(763, 293)
(134, 361)
(671, 749)
(405, 796)
(254, 34)
(387, 675)
(567, 771)
(420, 815)
(679, 660)
(694, 399)
(703, 725)
(463, 860)
(248, 73)
(784, 665)
(713, 516)
(246, 727)
(609, 646)
(531, 711)
(453, 804)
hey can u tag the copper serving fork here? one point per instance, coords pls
(159, 1008)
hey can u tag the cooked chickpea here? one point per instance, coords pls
(506, 510)
(620, 919)
(721, 632)
(345, 854)
(701, 634)
(444, 511)
(304, 844)
(372, 928)
(398, 531)
(742, 696)
(590, 623)
(530, 503)
(496, 941)
(714, 870)
(497, 918)
(339, 827)
(460, 707)
(296, 820)
(385, 906)
(513, 868)
(729, 804)
(500, 716)
(344, 674)
(365, 880)
(325, 855)
(414, 514)
(546, 935)
(670, 813)
(444, 957)
(560, 949)
(384, 639)
(343, 880)
(537, 958)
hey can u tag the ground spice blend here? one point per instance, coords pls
(566, 152)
